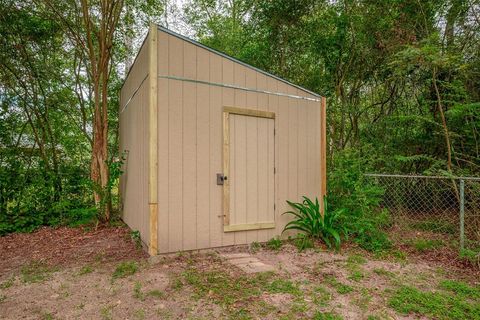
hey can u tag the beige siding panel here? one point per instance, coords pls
(204, 185)
(302, 109)
(240, 100)
(189, 150)
(175, 55)
(292, 147)
(252, 203)
(228, 99)
(283, 138)
(134, 181)
(138, 71)
(215, 152)
(163, 143)
(175, 156)
(264, 208)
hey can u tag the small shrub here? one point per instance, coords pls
(309, 219)
(125, 269)
(274, 244)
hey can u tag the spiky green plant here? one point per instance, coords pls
(309, 220)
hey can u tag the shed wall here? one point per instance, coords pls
(133, 131)
(190, 134)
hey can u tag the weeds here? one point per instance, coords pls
(137, 291)
(274, 244)
(36, 271)
(7, 283)
(326, 316)
(156, 294)
(438, 305)
(136, 238)
(125, 269)
(85, 270)
(338, 286)
(423, 245)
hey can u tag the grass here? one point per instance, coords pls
(326, 316)
(434, 226)
(461, 289)
(283, 286)
(156, 294)
(438, 305)
(321, 296)
(7, 283)
(125, 269)
(36, 271)
(384, 272)
(338, 286)
(137, 291)
(423, 245)
(274, 244)
(85, 270)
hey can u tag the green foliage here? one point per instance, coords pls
(326, 316)
(303, 242)
(472, 256)
(125, 269)
(423, 245)
(309, 220)
(359, 199)
(274, 244)
(136, 238)
(36, 271)
(438, 305)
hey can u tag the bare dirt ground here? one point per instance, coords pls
(74, 274)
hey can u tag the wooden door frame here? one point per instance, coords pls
(227, 227)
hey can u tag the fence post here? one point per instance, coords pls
(462, 214)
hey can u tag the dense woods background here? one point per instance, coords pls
(401, 77)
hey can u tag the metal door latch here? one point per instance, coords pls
(221, 179)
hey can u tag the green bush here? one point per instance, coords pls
(349, 190)
(309, 219)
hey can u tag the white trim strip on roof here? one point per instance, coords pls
(231, 86)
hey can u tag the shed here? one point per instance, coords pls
(213, 147)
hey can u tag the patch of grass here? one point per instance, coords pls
(356, 259)
(471, 256)
(438, 305)
(139, 314)
(326, 316)
(434, 226)
(85, 270)
(7, 283)
(106, 313)
(363, 299)
(137, 291)
(283, 286)
(36, 271)
(384, 272)
(303, 242)
(156, 294)
(321, 296)
(461, 288)
(2, 298)
(274, 244)
(423, 245)
(47, 316)
(255, 246)
(356, 275)
(125, 269)
(338, 286)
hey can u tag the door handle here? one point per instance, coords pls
(221, 179)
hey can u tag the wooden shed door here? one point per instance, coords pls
(249, 168)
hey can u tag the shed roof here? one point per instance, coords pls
(175, 34)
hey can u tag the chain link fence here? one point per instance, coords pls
(439, 211)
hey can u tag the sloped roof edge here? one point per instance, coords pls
(194, 42)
